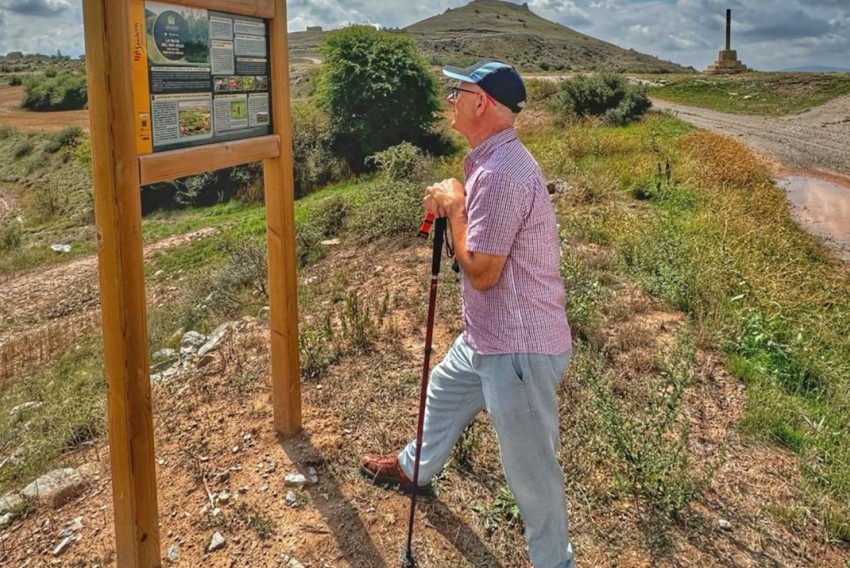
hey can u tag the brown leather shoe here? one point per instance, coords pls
(386, 471)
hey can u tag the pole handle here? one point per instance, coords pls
(439, 235)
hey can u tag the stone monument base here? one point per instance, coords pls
(727, 62)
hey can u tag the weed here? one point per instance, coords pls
(650, 439)
(502, 513)
(358, 329)
(261, 524)
(466, 447)
(318, 349)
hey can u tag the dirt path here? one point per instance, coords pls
(815, 139)
(11, 114)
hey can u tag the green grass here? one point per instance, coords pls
(72, 394)
(716, 241)
(768, 94)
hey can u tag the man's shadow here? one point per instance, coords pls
(353, 539)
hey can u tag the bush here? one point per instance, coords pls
(10, 235)
(540, 90)
(607, 95)
(401, 162)
(15, 80)
(329, 215)
(65, 91)
(378, 91)
(314, 163)
(387, 208)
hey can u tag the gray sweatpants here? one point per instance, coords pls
(519, 392)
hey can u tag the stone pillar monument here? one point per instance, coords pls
(727, 61)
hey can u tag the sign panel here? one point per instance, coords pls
(199, 76)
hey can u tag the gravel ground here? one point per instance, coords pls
(815, 139)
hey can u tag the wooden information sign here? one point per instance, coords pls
(214, 95)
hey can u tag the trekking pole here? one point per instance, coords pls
(407, 559)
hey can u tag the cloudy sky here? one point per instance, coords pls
(768, 34)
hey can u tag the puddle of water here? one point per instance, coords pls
(822, 208)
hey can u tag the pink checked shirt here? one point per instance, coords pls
(510, 214)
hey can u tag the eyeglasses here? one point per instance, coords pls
(456, 91)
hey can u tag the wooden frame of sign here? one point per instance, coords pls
(118, 173)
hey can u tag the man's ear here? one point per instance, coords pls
(482, 105)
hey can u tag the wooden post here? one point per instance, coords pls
(280, 221)
(115, 171)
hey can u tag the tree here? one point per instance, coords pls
(378, 91)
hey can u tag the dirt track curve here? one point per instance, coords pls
(816, 139)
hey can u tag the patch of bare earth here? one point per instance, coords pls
(11, 114)
(214, 435)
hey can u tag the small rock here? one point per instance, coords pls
(60, 248)
(291, 499)
(216, 543)
(6, 520)
(10, 501)
(263, 314)
(330, 242)
(63, 546)
(293, 563)
(236, 449)
(192, 339)
(725, 525)
(173, 553)
(214, 341)
(224, 497)
(158, 273)
(223, 476)
(294, 480)
(166, 353)
(56, 487)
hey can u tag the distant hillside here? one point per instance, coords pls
(503, 30)
(817, 69)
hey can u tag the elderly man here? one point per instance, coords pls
(515, 346)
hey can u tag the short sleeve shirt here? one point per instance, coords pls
(510, 214)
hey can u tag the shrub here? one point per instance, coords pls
(329, 215)
(607, 95)
(401, 162)
(387, 208)
(378, 91)
(65, 91)
(540, 90)
(6, 132)
(15, 80)
(69, 136)
(314, 163)
(10, 235)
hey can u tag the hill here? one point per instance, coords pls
(503, 30)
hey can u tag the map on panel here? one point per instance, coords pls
(199, 76)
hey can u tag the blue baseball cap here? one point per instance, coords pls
(497, 79)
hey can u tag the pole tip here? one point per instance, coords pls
(407, 559)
